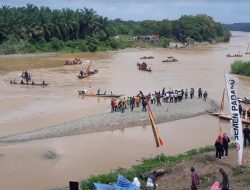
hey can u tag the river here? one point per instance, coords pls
(26, 165)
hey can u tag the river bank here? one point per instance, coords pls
(109, 121)
(177, 170)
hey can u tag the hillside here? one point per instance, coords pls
(245, 27)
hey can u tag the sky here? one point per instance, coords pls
(224, 11)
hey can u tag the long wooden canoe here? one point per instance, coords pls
(228, 117)
(102, 95)
(29, 84)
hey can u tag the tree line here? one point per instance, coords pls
(245, 27)
(32, 29)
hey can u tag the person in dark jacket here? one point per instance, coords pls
(246, 133)
(219, 147)
(144, 105)
(225, 140)
(225, 181)
(240, 110)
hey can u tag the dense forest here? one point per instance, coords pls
(245, 27)
(32, 29)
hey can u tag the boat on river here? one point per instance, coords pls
(169, 59)
(228, 117)
(89, 73)
(144, 67)
(75, 61)
(14, 82)
(234, 55)
(147, 57)
(84, 93)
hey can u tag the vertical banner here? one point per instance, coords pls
(236, 120)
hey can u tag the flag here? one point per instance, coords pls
(236, 119)
(222, 100)
(157, 137)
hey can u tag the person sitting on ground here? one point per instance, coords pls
(137, 182)
(151, 181)
(225, 181)
(215, 186)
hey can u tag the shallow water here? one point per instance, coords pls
(29, 108)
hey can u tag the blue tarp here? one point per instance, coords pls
(121, 184)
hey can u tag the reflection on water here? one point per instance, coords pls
(29, 108)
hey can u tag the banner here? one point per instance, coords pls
(236, 119)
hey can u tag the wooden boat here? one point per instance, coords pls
(225, 116)
(147, 57)
(234, 55)
(169, 59)
(144, 67)
(100, 95)
(29, 84)
(90, 73)
(75, 61)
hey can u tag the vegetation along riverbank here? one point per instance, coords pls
(241, 68)
(177, 169)
(32, 29)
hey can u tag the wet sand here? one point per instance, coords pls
(30, 109)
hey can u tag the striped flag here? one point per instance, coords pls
(157, 137)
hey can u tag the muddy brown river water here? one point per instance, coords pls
(28, 165)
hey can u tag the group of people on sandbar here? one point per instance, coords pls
(171, 96)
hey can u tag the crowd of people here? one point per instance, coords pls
(170, 96)
(245, 114)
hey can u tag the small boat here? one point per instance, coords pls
(147, 57)
(225, 116)
(234, 55)
(84, 93)
(28, 84)
(75, 61)
(90, 73)
(244, 100)
(144, 67)
(169, 59)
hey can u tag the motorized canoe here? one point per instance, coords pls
(235, 55)
(145, 57)
(228, 117)
(100, 95)
(89, 74)
(28, 84)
